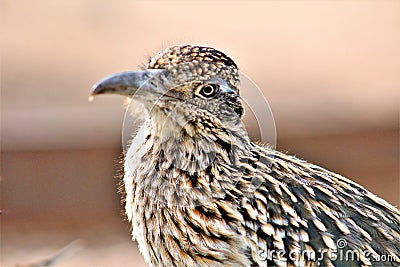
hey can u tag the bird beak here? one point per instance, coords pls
(126, 83)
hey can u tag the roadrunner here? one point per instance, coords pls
(199, 192)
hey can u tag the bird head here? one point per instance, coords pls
(189, 89)
(193, 123)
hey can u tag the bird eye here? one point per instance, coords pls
(208, 90)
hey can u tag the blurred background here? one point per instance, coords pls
(329, 69)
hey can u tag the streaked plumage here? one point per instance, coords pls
(199, 192)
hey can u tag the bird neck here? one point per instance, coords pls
(194, 144)
(164, 167)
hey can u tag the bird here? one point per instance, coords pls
(199, 192)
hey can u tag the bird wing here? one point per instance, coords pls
(297, 214)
